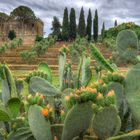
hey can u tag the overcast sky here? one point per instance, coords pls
(108, 10)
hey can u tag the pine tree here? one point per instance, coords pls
(72, 32)
(115, 24)
(103, 31)
(56, 27)
(65, 26)
(82, 26)
(95, 26)
(89, 25)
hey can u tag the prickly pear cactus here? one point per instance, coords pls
(119, 92)
(127, 45)
(106, 123)
(42, 86)
(132, 90)
(8, 84)
(39, 126)
(77, 120)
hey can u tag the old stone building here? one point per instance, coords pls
(27, 31)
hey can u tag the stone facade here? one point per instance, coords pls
(26, 31)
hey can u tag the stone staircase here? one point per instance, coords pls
(21, 68)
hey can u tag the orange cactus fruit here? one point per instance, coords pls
(111, 93)
(101, 82)
(67, 98)
(66, 81)
(100, 96)
(45, 112)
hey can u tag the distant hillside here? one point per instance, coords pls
(113, 32)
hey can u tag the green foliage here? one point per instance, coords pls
(28, 56)
(72, 25)
(14, 105)
(38, 49)
(106, 123)
(42, 86)
(103, 31)
(96, 54)
(78, 48)
(82, 25)
(77, 121)
(11, 45)
(127, 46)
(95, 26)
(89, 25)
(39, 38)
(131, 135)
(39, 126)
(11, 35)
(132, 90)
(109, 43)
(65, 26)
(4, 115)
(22, 13)
(56, 27)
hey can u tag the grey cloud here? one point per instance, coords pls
(109, 10)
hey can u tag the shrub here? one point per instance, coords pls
(29, 57)
(11, 35)
(127, 46)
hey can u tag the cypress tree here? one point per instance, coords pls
(89, 25)
(95, 26)
(115, 24)
(72, 32)
(56, 27)
(103, 31)
(65, 26)
(82, 26)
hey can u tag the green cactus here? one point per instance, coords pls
(86, 71)
(20, 134)
(8, 83)
(77, 121)
(96, 54)
(62, 62)
(42, 86)
(106, 123)
(132, 90)
(127, 46)
(128, 136)
(39, 126)
(14, 105)
(119, 92)
(46, 69)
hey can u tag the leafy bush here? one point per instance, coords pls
(11, 45)
(11, 35)
(28, 57)
(109, 43)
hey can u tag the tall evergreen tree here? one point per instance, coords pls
(65, 26)
(115, 24)
(89, 25)
(81, 25)
(56, 27)
(95, 26)
(103, 31)
(72, 32)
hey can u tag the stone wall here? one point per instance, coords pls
(25, 31)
